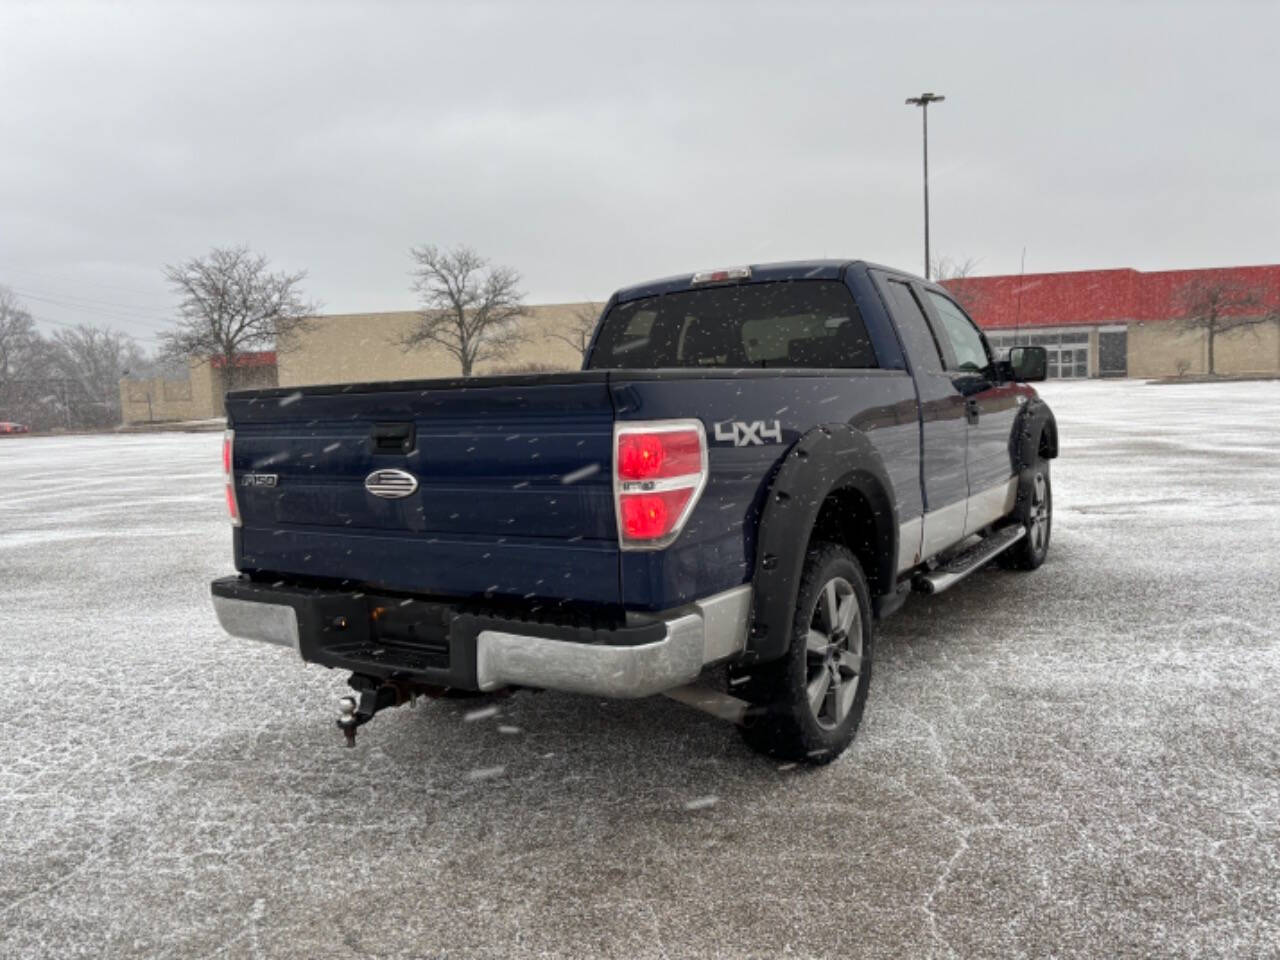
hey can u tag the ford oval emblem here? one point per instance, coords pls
(391, 484)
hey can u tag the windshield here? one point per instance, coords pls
(796, 323)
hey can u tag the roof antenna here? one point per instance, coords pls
(1017, 317)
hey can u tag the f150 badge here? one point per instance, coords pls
(743, 434)
(259, 479)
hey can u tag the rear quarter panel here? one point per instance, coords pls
(716, 550)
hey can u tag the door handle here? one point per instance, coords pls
(971, 410)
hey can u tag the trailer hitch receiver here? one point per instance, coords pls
(375, 695)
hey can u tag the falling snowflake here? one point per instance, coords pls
(581, 474)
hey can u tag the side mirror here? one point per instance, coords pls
(1029, 363)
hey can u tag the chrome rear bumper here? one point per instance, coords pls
(503, 659)
(266, 622)
(685, 640)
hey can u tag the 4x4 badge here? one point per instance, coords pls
(755, 433)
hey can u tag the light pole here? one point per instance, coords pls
(923, 102)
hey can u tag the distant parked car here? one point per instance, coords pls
(6, 427)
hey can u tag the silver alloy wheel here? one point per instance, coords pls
(833, 653)
(1038, 527)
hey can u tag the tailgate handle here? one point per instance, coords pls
(392, 438)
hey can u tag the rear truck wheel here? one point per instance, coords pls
(807, 705)
(1035, 511)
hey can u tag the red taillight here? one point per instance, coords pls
(233, 508)
(674, 453)
(659, 472)
(648, 516)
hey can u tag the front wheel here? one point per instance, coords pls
(1035, 510)
(807, 706)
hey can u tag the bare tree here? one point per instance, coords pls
(24, 364)
(471, 308)
(231, 304)
(91, 360)
(578, 328)
(17, 333)
(945, 270)
(1220, 306)
(69, 380)
(33, 390)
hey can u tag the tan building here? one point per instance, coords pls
(1161, 350)
(351, 348)
(198, 396)
(364, 347)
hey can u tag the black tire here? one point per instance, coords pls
(1035, 511)
(782, 722)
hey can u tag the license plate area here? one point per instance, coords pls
(414, 623)
(401, 635)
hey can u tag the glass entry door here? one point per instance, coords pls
(1068, 362)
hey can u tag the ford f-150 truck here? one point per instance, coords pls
(753, 466)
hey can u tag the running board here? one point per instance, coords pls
(967, 561)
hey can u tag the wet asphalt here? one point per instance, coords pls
(1081, 761)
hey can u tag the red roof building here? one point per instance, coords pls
(1118, 322)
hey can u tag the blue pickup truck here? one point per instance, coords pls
(753, 466)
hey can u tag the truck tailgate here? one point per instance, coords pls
(513, 493)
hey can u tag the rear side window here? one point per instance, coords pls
(796, 323)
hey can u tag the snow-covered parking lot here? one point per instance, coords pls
(1082, 761)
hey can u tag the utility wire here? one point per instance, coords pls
(72, 326)
(94, 311)
(8, 267)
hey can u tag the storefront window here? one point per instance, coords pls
(1068, 352)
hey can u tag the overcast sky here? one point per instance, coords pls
(593, 145)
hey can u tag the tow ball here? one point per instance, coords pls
(375, 695)
(347, 719)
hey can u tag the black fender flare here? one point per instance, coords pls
(1034, 421)
(827, 459)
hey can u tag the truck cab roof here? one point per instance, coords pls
(826, 269)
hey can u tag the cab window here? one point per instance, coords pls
(807, 324)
